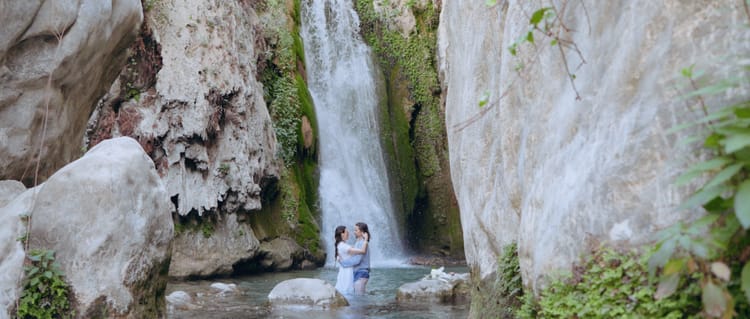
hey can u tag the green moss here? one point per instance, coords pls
(413, 129)
(293, 212)
(612, 284)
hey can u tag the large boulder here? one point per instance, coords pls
(11, 249)
(107, 218)
(554, 173)
(213, 252)
(280, 254)
(307, 293)
(57, 58)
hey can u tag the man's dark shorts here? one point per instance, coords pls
(361, 273)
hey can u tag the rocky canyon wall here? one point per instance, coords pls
(57, 58)
(555, 173)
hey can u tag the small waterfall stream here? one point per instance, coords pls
(353, 177)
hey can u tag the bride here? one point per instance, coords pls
(344, 251)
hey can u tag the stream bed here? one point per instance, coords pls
(252, 295)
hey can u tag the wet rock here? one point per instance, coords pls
(438, 286)
(306, 293)
(224, 289)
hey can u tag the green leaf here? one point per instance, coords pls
(724, 175)
(745, 280)
(710, 165)
(491, 2)
(553, 42)
(484, 99)
(667, 286)
(701, 225)
(714, 300)
(687, 177)
(512, 49)
(530, 36)
(714, 89)
(537, 16)
(703, 196)
(742, 112)
(688, 71)
(735, 142)
(663, 252)
(742, 204)
(674, 266)
(713, 140)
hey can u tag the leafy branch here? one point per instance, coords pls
(548, 23)
(717, 245)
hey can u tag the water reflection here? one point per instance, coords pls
(251, 299)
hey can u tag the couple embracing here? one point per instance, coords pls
(354, 269)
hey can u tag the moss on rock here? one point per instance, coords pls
(413, 132)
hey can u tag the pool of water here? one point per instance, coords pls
(252, 296)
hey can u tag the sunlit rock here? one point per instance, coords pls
(107, 218)
(438, 286)
(306, 293)
(556, 174)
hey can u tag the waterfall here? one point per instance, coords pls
(353, 177)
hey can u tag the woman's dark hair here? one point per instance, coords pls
(337, 236)
(363, 228)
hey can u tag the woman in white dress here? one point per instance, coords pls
(344, 251)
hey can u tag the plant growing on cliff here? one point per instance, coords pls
(45, 293)
(717, 245)
(610, 284)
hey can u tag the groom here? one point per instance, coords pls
(361, 263)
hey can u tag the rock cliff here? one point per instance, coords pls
(191, 95)
(57, 58)
(538, 166)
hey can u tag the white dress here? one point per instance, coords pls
(345, 279)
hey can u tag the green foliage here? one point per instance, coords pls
(611, 284)
(45, 293)
(224, 168)
(509, 272)
(207, 229)
(715, 245)
(414, 57)
(148, 4)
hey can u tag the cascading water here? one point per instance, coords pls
(353, 178)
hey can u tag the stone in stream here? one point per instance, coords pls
(438, 286)
(306, 293)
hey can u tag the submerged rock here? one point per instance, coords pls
(306, 293)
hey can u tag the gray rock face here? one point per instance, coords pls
(306, 292)
(280, 254)
(554, 173)
(192, 100)
(203, 119)
(107, 217)
(199, 254)
(11, 249)
(56, 60)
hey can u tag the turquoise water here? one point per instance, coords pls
(250, 300)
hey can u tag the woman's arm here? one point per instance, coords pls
(351, 261)
(363, 250)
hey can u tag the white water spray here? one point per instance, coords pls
(353, 177)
